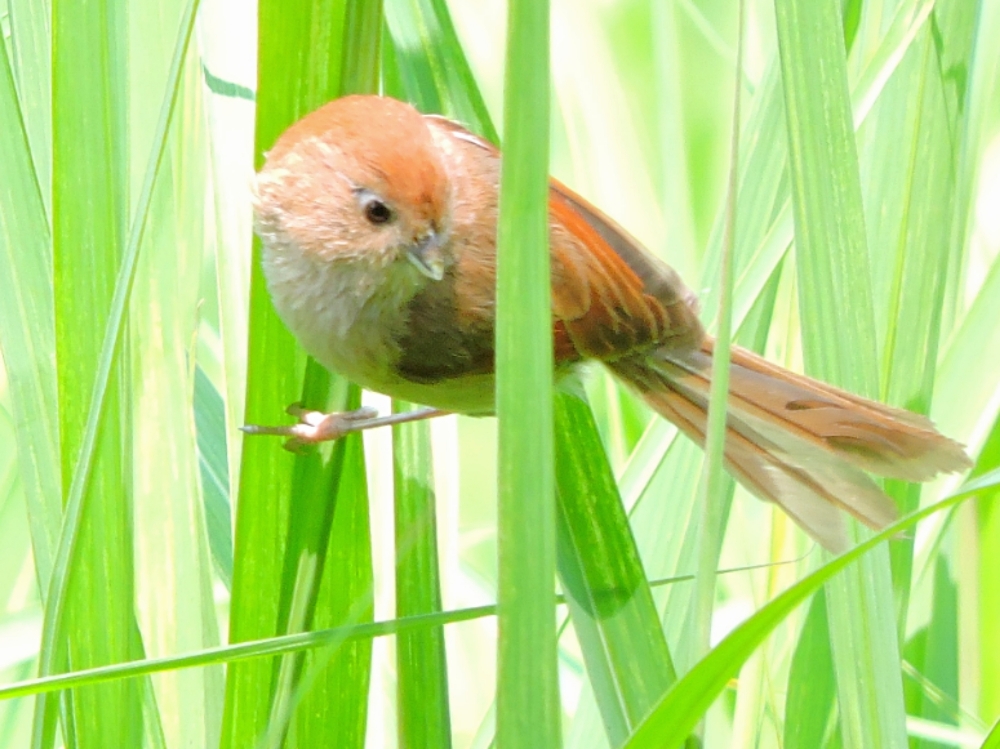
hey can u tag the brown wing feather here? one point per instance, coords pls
(793, 440)
(612, 296)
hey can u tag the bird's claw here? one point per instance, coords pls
(315, 426)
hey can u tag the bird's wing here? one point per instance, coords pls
(612, 296)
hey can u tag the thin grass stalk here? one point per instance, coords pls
(712, 525)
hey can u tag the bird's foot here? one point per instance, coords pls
(315, 426)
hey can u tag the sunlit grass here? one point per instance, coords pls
(641, 120)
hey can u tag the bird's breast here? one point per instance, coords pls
(442, 336)
(342, 311)
(388, 328)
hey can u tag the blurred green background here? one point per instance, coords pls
(129, 132)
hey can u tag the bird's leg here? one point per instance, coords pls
(316, 426)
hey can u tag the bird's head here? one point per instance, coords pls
(358, 179)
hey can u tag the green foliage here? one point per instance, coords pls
(166, 583)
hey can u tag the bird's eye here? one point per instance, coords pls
(377, 212)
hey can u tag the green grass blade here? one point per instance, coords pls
(340, 701)
(890, 48)
(92, 291)
(614, 617)
(432, 67)
(175, 608)
(319, 477)
(676, 171)
(261, 519)
(839, 339)
(421, 670)
(829, 218)
(27, 326)
(983, 70)
(762, 193)
(713, 488)
(210, 427)
(665, 516)
(681, 708)
(585, 514)
(668, 470)
(265, 648)
(590, 510)
(925, 108)
(422, 689)
(960, 404)
(362, 48)
(933, 653)
(330, 701)
(31, 60)
(274, 377)
(993, 740)
(982, 526)
(527, 688)
(810, 709)
(280, 559)
(913, 201)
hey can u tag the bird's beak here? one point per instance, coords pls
(427, 257)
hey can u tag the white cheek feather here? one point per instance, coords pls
(343, 308)
(339, 297)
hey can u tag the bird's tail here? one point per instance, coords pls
(796, 441)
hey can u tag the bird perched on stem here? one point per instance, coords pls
(379, 232)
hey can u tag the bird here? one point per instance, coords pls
(378, 232)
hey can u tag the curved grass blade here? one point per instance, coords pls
(673, 718)
(614, 616)
(250, 650)
(270, 647)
